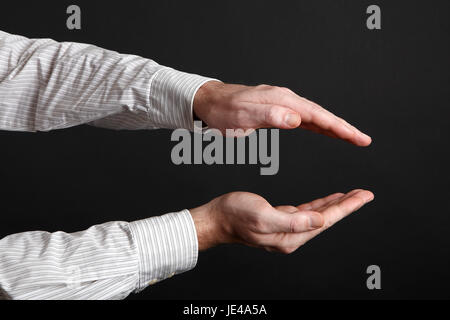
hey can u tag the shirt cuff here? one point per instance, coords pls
(172, 95)
(166, 245)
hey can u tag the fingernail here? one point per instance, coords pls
(315, 221)
(292, 119)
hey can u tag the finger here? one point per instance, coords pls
(323, 119)
(337, 200)
(277, 221)
(338, 118)
(331, 134)
(310, 112)
(351, 138)
(333, 214)
(363, 138)
(315, 129)
(287, 209)
(345, 206)
(329, 123)
(274, 116)
(313, 205)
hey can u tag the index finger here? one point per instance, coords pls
(316, 118)
(332, 214)
(345, 206)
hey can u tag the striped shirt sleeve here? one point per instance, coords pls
(107, 261)
(47, 85)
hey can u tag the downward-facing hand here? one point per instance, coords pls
(230, 106)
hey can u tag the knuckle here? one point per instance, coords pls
(261, 206)
(292, 225)
(287, 90)
(281, 95)
(263, 87)
(297, 224)
(278, 90)
(271, 115)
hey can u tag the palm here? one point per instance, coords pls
(333, 209)
(255, 222)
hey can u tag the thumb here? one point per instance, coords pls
(274, 116)
(296, 222)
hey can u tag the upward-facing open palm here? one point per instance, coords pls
(247, 218)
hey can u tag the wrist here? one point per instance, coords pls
(209, 233)
(204, 99)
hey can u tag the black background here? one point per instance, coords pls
(392, 83)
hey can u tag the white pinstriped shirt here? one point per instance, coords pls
(46, 85)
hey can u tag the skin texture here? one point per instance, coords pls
(248, 219)
(231, 106)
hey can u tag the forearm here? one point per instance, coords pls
(107, 261)
(46, 85)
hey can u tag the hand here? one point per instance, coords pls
(247, 218)
(229, 106)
